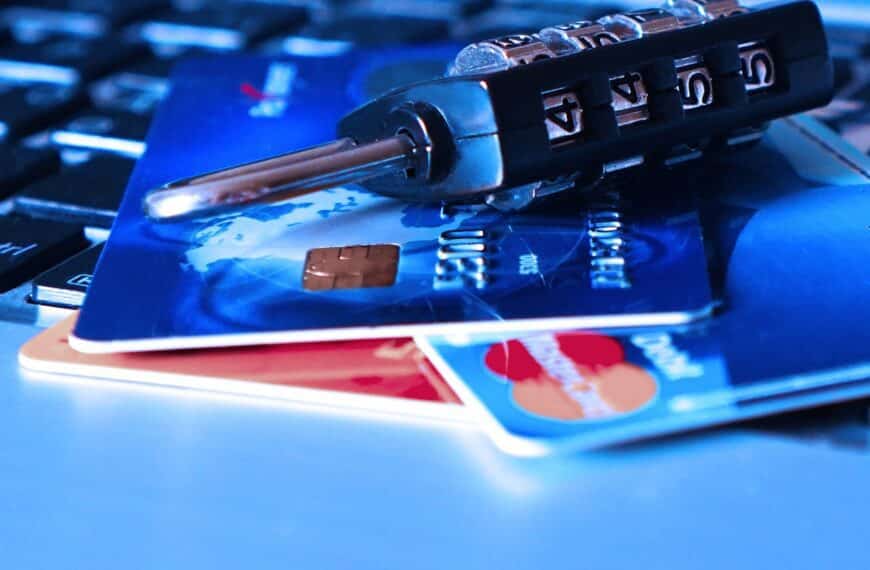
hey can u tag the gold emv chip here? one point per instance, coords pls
(350, 267)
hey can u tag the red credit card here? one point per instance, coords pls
(389, 375)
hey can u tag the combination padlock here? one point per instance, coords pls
(523, 116)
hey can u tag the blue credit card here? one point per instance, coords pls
(788, 234)
(345, 263)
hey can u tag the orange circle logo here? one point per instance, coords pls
(571, 376)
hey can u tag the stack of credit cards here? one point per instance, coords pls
(735, 293)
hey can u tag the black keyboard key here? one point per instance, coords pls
(152, 67)
(27, 109)
(66, 284)
(67, 60)
(114, 132)
(37, 19)
(134, 90)
(21, 166)
(29, 247)
(434, 9)
(87, 194)
(369, 29)
(501, 21)
(226, 27)
(305, 46)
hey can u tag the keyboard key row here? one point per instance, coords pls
(29, 247)
(67, 61)
(35, 20)
(227, 27)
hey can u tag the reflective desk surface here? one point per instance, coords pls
(95, 475)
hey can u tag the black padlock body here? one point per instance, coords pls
(758, 66)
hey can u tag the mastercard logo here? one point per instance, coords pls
(571, 376)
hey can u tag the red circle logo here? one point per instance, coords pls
(571, 376)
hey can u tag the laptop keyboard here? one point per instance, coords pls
(79, 80)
